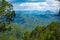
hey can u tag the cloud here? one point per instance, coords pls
(29, 6)
(40, 6)
(10, 0)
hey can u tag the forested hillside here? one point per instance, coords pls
(50, 32)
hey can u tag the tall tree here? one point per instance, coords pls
(6, 11)
(7, 14)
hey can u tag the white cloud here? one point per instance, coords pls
(9, 0)
(41, 6)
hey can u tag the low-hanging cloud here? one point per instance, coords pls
(40, 6)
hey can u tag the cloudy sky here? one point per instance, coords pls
(40, 5)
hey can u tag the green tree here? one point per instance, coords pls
(12, 38)
(37, 33)
(6, 11)
(26, 36)
(7, 14)
(2, 26)
(52, 31)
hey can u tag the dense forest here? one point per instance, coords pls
(11, 31)
(50, 32)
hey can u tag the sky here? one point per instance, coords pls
(19, 1)
(40, 5)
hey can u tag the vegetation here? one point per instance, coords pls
(50, 32)
(16, 32)
(7, 14)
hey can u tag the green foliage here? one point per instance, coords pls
(52, 29)
(12, 38)
(6, 11)
(10, 16)
(37, 33)
(2, 26)
(50, 32)
(16, 32)
(7, 15)
(26, 36)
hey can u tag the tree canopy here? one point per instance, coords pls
(7, 14)
(6, 11)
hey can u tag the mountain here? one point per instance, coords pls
(36, 12)
(30, 19)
